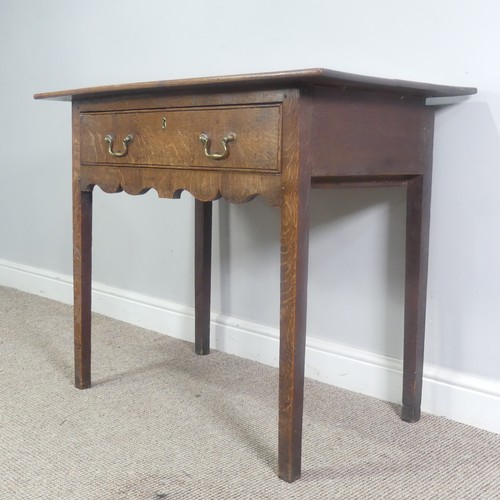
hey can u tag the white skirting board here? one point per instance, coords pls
(458, 396)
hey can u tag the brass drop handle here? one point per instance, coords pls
(118, 154)
(217, 156)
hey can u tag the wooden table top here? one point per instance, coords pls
(301, 78)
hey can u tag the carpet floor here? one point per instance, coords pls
(163, 423)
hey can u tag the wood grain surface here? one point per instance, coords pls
(170, 137)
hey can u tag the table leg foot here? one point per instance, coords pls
(290, 475)
(410, 414)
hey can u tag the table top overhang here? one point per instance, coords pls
(290, 79)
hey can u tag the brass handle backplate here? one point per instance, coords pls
(217, 156)
(118, 154)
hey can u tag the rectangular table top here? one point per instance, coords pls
(282, 79)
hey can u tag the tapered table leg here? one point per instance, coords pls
(202, 274)
(294, 255)
(82, 271)
(417, 243)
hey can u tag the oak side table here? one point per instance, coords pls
(276, 135)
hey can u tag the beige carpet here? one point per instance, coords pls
(161, 422)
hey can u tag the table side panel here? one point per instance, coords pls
(369, 134)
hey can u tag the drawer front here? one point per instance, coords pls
(236, 138)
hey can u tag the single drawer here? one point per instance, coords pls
(236, 138)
